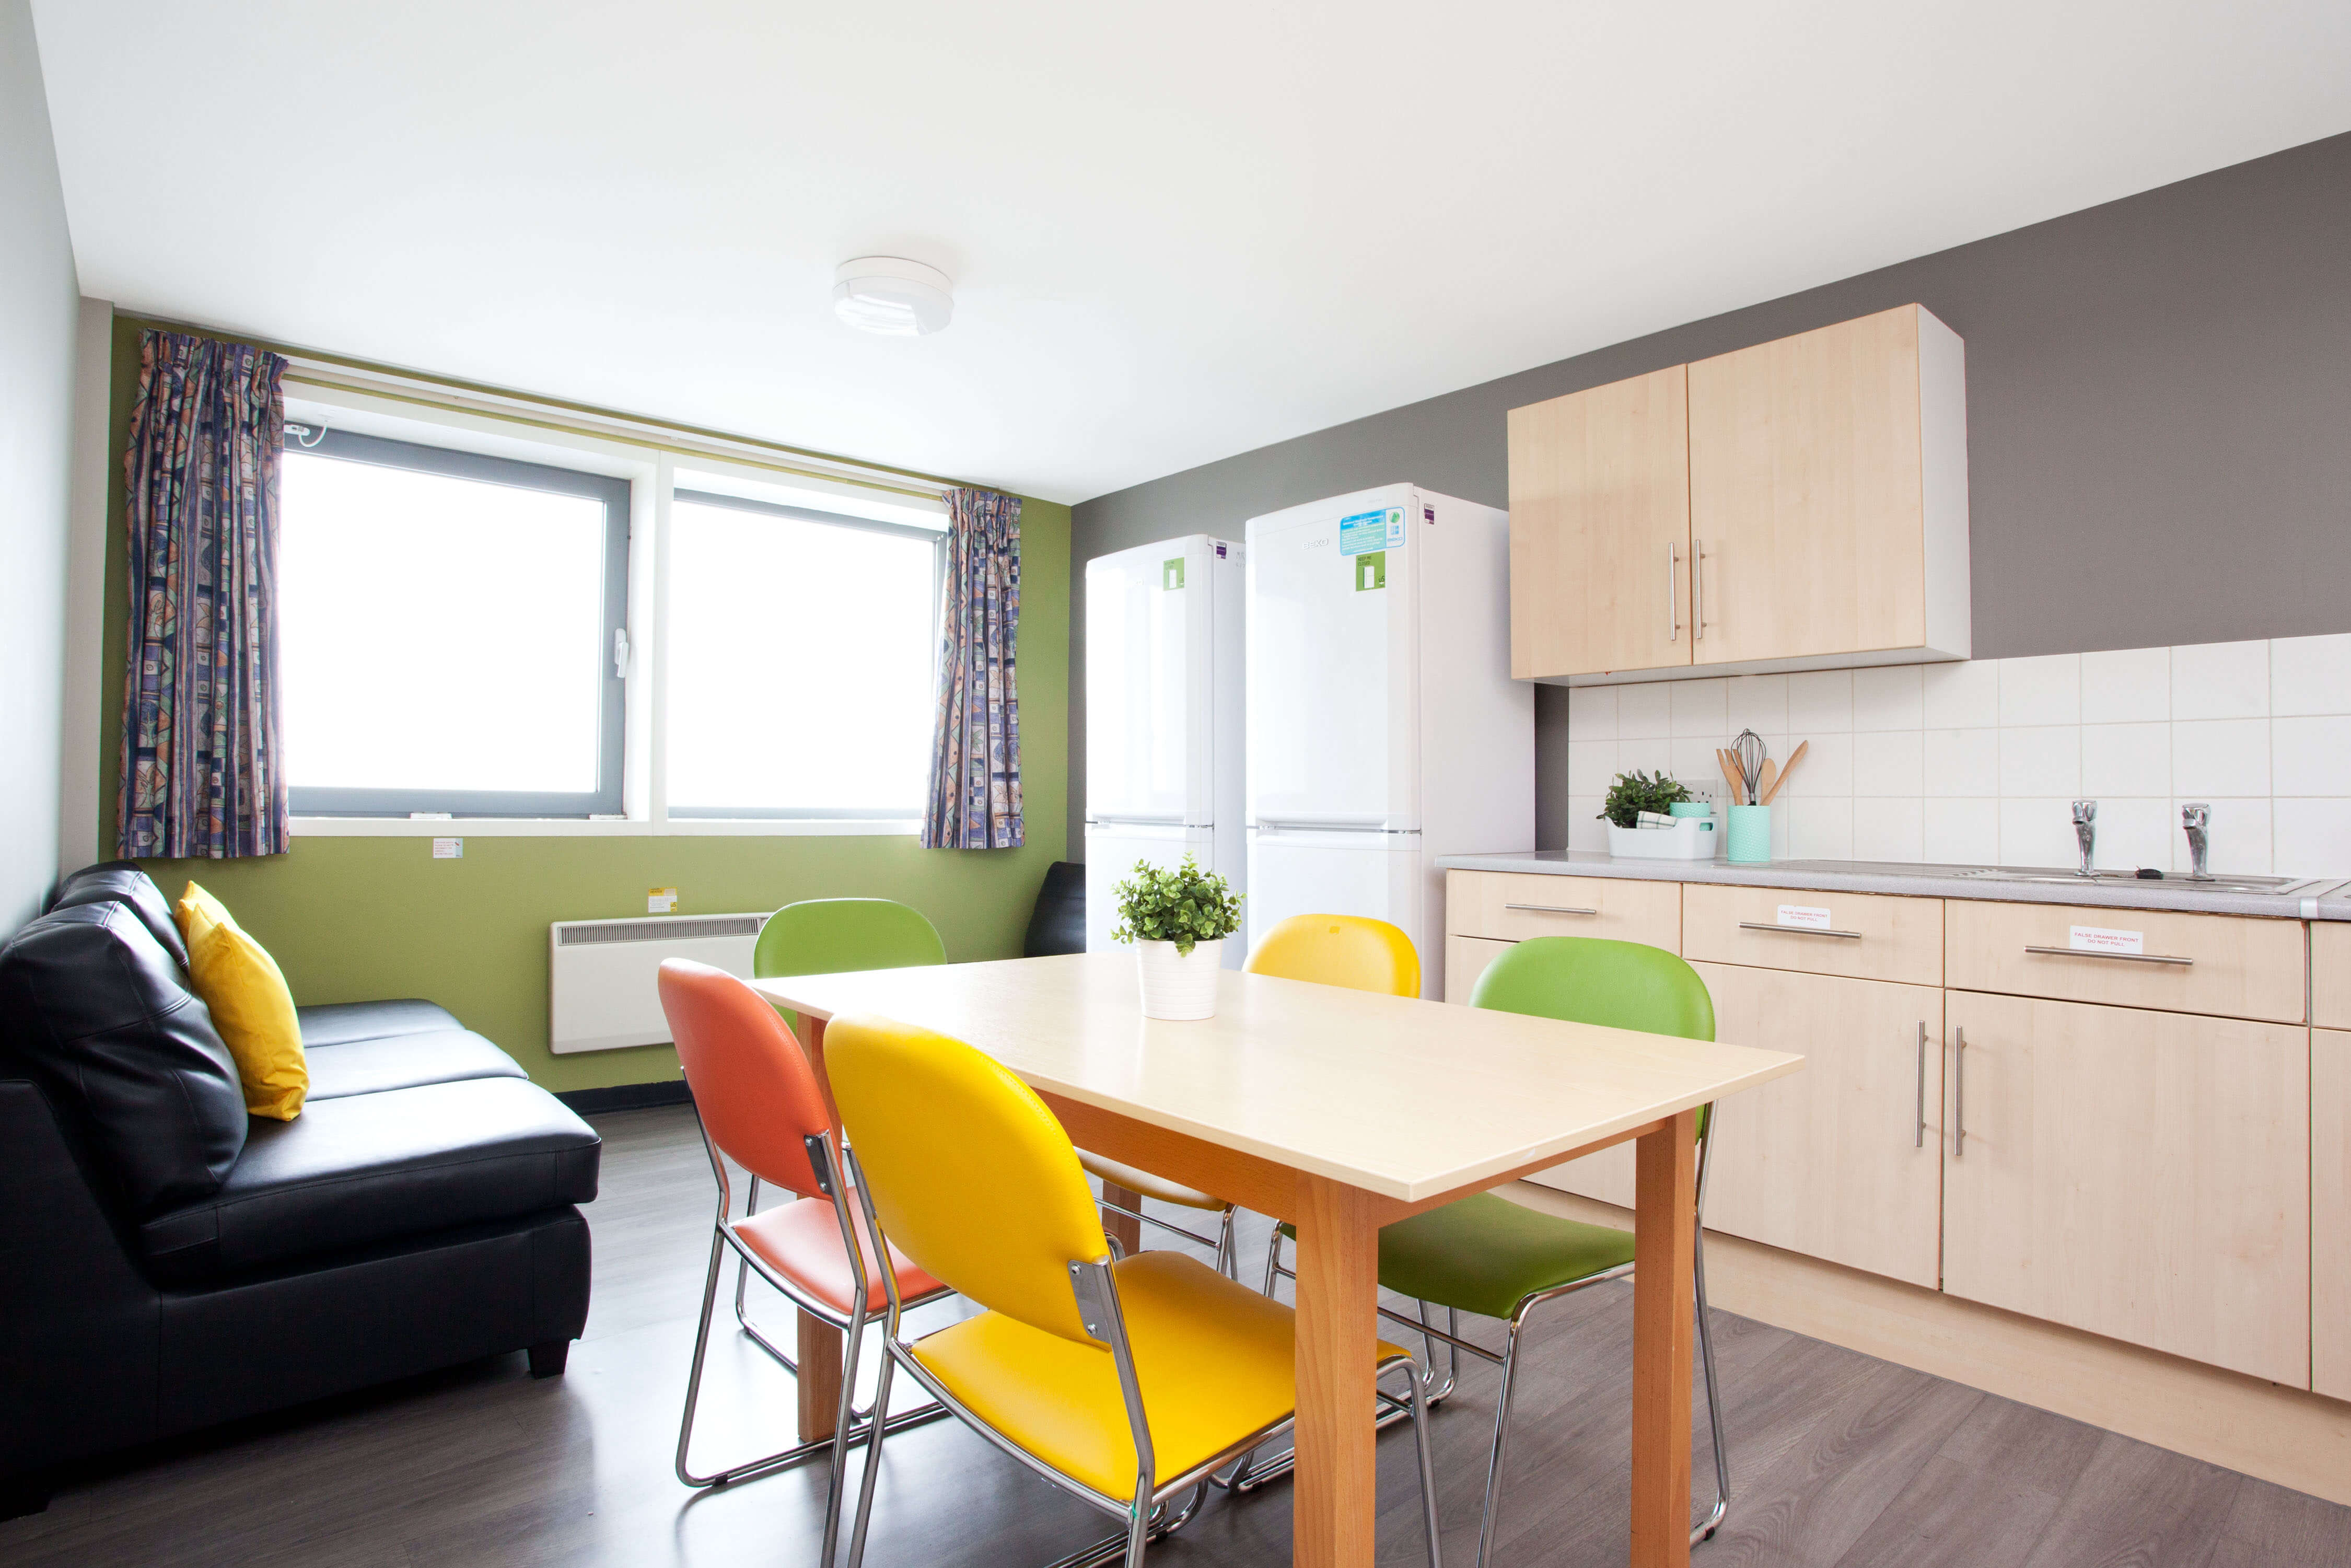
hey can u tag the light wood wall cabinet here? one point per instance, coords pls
(1600, 529)
(1802, 504)
(2144, 1176)
(1829, 494)
(1841, 1161)
(2330, 1211)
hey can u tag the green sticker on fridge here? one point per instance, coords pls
(1371, 570)
(1171, 574)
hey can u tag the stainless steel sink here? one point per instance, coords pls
(2280, 885)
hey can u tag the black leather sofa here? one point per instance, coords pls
(167, 1262)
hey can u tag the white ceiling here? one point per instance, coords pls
(1176, 232)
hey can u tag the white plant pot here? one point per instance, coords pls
(1179, 987)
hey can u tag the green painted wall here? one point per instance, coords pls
(353, 918)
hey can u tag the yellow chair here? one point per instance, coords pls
(1123, 1381)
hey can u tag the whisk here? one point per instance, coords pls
(1751, 752)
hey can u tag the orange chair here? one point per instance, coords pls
(760, 1106)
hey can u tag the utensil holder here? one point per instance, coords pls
(1748, 841)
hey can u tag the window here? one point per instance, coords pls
(449, 631)
(802, 650)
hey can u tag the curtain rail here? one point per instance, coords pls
(304, 371)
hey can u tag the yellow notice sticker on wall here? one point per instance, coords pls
(661, 901)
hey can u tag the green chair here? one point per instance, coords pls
(1501, 1259)
(831, 937)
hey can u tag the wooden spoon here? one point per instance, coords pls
(1793, 757)
(1730, 765)
(1770, 771)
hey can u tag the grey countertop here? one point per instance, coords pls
(2321, 898)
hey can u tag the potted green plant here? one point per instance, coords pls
(1178, 917)
(1658, 794)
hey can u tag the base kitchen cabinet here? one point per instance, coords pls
(1840, 1161)
(1465, 958)
(2330, 1212)
(2140, 1174)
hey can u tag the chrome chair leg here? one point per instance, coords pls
(694, 1376)
(1713, 1398)
(1501, 1436)
(838, 1484)
(1429, 1337)
(1420, 1403)
(873, 1465)
(1229, 1261)
(743, 1265)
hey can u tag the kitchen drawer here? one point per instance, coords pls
(1465, 958)
(1864, 937)
(2330, 974)
(1511, 906)
(2231, 965)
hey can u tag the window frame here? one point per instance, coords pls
(936, 537)
(326, 802)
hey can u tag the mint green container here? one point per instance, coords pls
(1748, 841)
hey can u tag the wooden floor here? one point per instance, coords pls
(1837, 1459)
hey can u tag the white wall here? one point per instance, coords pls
(38, 301)
(1976, 763)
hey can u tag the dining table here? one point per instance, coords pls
(1340, 1111)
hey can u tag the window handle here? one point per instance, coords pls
(620, 652)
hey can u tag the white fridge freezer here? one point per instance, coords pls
(1384, 728)
(1164, 735)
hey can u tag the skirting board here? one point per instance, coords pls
(2288, 1435)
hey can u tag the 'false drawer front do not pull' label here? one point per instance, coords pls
(2228, 965)
(1859, 935)
(1511, 906)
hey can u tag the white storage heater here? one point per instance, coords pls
(602, 992)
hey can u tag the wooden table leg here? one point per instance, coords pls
(820, 1377)
(818, 1348)
(1124, 1229)
(1338, 1300)
(1665, 1226)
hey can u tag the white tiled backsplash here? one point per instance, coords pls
(1976, 763)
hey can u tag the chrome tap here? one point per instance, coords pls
(2086, 829)
(2197, 818)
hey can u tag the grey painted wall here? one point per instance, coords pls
(2158, 427)
(38, 300)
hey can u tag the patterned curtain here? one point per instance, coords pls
(974, 794)
(203, 748)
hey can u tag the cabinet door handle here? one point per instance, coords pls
(1918, 1140)
(1958, 1093)
(1673, 593)
(1551, 909)
(1798, 930)
(1697, 591)
(2118, 957)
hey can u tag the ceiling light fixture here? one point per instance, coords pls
(893, 296)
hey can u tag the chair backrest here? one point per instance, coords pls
(1350, 950)
(1589, 979)
(834, 936)
(752, 1084)
(970, 1175)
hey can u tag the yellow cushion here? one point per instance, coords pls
(250, 1007)
(1215, 1361)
